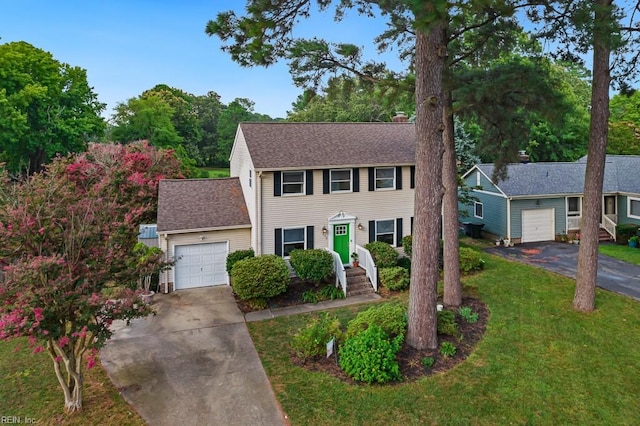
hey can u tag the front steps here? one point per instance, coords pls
(357, 282)
(604, 236)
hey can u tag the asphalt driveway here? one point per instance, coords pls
(193, 363)
(613, 274)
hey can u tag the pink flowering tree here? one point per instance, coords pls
(65, 235)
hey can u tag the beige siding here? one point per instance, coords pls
(315, 210)
(238, 239)
(240, 166)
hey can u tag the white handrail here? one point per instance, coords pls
(609, 226)
(341, 274)
(366, 262)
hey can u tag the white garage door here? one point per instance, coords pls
(538, 225)
(200, 265)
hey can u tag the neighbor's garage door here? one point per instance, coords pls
(200, 265)
(538, 225)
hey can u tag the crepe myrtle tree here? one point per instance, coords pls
(65, 235)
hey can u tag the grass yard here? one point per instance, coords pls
(215, 172)
(30, 390)
(539, 363)
(622, 252)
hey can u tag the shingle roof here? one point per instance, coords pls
(306, 145)
(536, 179)
(200, 203)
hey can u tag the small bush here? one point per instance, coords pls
(260, 277)
(310, 296)
(395, 278)
(237, 255)
(330, 292)
(407, 245)
(370, 356)
(428, 361)
(312, 340)
(404, 262)
(470, 260)
(448, 349)
(468, 315)
(447, 323)
(312, 265)
(391, 317)
(383, 254)
(625, 231)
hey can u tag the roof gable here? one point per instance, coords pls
(289, 145)
(185, 204)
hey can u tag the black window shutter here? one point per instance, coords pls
(372, 179)
(356, 179)
(372, 231)
(310, 237)
(413, 176)
(277, 184)
(278, 248)
(398, 177)
(399, 232)
(309, 182)
(411, 225)
(325, 181)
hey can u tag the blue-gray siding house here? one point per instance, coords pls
(540, 201)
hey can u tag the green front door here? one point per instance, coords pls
(341, 241)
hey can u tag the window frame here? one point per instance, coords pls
(378, 179)
(574, 213)
(393, 234)
(630, 200)
(284, 242)
(303, 183)
(332, 180)
(475, 209)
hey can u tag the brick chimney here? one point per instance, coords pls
(523, 156)
(400, 117)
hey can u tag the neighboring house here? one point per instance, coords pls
(148, 235)
(293, 186)
(539, 201)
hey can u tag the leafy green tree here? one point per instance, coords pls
(207, 109)
(46, 108)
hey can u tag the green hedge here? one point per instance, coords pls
(391, 317)
(470, 260)
(625, 231)
(313, 265)
(396, 278)
(260, 277)
(237, 255)
(383, 254)
(407, 245)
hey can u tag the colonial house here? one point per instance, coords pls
(335, 186)
(540, 201)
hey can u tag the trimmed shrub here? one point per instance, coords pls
(260, 277)
(312, 265)
(470, 260)
(391, 317)
(370, 356)
(407, 243)
(383, 254)
(447, 323)
(312, 340)
(625, 231)
(237, 255)
(404, 262)
(396, 278)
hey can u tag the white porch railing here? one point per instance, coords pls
(367, 263)
(573, 222)
(609, 225)
(341, 274)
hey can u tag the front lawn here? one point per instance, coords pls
(539, 363)
(622, 252)
(30, 392)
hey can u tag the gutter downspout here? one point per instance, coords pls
(258, 224)
(509, 218)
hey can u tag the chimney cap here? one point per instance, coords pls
(400, 117)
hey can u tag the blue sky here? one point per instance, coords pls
(130, 46)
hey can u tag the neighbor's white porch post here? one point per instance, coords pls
(258, 224)
(509, 219)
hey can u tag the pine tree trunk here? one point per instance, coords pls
(430, 59)
(584, 298)
(452, 287)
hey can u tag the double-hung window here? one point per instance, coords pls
(386, 231)
(341, 180)
(478, 210)
(293, 238)
(573, 206)
(385, 178)
(633, 207)
(293, 183)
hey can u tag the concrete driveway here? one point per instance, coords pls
(613, 274)
(193, 363)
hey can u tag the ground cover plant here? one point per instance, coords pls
(539, 362)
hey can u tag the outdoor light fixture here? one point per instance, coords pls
(360, 227)
(324, 231)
